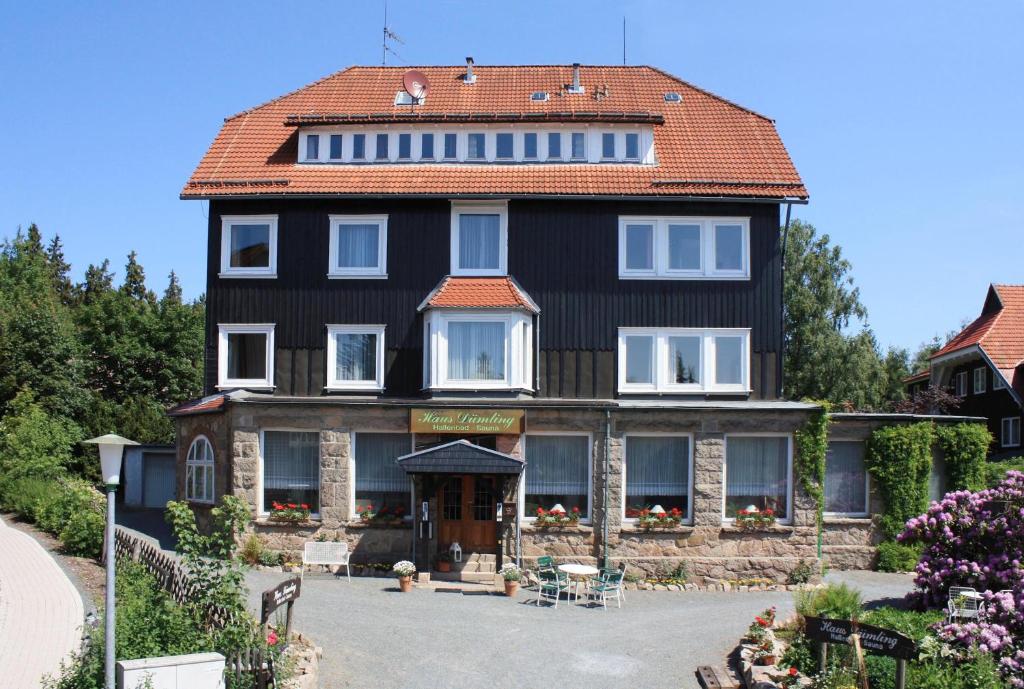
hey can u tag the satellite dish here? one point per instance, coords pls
(416, 84)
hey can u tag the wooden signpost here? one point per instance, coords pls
(284, 593)
(882, 641)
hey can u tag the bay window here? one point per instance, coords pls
(757, 474)
(479, 239)
(355, 357)
(557, 473)
(245, 355)
(358, 246)
(671, 248)
(658, 471)
(684, 360)
(248, 246)
(290, 469)
(846, 479)
(470, 350)
(379, 482)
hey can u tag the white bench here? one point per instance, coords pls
(326, 553)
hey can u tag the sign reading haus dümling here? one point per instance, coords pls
(883, 641)
(285, 592)
(484, 421)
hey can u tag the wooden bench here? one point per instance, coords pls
(327, 553)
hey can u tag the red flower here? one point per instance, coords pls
(540, 511)
(369, 508)
(742, 513)
(291, 505)
(769, 512)
(272, 638)
(761, 621)
(645, 512)
(304, 506)
(576, 510)
(278, 508)
(793, 672)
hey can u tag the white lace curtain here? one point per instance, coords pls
(291, 460)
(756, 466)
(476, 351)
(376, 469)
(556, 464)
(657, 466)
(845, 486)
(357, 246)
(479, 237)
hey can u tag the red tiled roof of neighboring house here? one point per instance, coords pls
(920, 375)
(998, 332)
(479, 293)
(706, 146)
(205, 405)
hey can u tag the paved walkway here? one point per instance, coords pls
(375, 637)
(41, 612)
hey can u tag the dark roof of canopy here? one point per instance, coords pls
(460, 457)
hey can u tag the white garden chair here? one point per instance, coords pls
(964, 603)
(327, 553)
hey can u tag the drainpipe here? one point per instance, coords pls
(782, 297)
(536, 357)
(607, 465)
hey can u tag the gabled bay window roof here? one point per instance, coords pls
(479, 293)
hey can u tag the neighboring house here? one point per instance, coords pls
(535, 286)
(984, 367)
(149, 475)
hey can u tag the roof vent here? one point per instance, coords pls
(470, 78)
(539, 96)
(673, 97)
(576, 86)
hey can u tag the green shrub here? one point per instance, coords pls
(900, 461)
(965, 446)
(83, 534)
(800, 654)
(911, 623)
(71, 496)
(979, 673)
(803, 572)
(27, 496)
(251, 550)
(995, 472)
(33, 443)
(835, 602)
(270, 558)
(896, 557)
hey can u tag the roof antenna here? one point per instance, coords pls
(389, 35)
(623, 40)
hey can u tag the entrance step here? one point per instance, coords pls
(475, 567)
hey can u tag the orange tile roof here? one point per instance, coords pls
(920, 375)
(205, 405)
(707, 145)
(998, 331)
(479, 293)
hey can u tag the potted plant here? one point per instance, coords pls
(366, 513)
(511, 574)
(289, 512)
(765, 653)
(444, 562)
(404, 571)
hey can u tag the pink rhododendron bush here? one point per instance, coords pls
(977, 540)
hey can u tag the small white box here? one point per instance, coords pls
(193, 671)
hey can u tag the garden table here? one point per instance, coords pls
(579, 573)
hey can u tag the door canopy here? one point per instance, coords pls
(460, 457)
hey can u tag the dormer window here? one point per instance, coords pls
(427, 147)
(336, 140)
(579, 146)
(554, 146)
(382, 147)
(530, 146)
(312, 147)
(479, 239)
(608, 146)
(632, 146)
(477, 146)
(451, 148)
(404, 146)
(359, 147)
(503, 146)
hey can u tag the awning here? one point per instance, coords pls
(460, 457)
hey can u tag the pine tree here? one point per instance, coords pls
(98, 281)
(172, 295)
(135, 280)
(60, 271)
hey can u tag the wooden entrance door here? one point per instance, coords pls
(467, 505)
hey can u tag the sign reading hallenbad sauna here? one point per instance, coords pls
(466, 421)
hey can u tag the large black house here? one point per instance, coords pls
(532, 306)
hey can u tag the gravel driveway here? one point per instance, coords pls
(375, 638)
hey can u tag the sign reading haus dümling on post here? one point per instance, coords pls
(285, 592)
(883, 641)
(486, 421)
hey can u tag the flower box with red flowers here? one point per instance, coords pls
(382, 517)
(646, 519)
(548, 518)
(289, 512)
(755, 520)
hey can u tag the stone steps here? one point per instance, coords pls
(475, 567)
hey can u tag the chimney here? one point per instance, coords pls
(576, 86)
(470, 78)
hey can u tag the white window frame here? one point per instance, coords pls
(688, 517)
(867, 487)
(261, 509)
(380, 272)
(660, 269)
(960, 384)
(1009, 423)
(474, 208)
(225, 329)
(226, 269)
(997, 380)
(980, 383)
(352, 470)
(790, 509)
(527, 519)
(209, 468)
(662, 367)
(518, 357)
(583, 134)
(333, 383)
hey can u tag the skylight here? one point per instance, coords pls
(673, 97)
(539, 96)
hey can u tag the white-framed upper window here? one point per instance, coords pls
(355, 357)
(758, 474)
(289, 470)
(478, 349)
(558, 472)
(245, 355)
(657, 471)
(358, 246)
(846, 479)
(248, 246)
(479, 239)
(1011, 432)
(199, 479)
(960, 384)
(678, 248)
(684, 360)
(379, 482)
(997, 380)
(979, 380)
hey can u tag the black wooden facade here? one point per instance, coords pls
(993, 404)
(564, 253)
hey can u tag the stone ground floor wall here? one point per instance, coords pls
(708, 547)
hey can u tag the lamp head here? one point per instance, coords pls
(111, 449)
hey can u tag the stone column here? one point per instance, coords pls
(245, 453)
(335, 482)
(708, 488)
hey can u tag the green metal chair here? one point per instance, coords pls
(545, 562)
(552, 583)
(609, 585)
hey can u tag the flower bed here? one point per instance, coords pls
(556, 517)
(645, 519)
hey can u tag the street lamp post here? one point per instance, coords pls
(111, 449)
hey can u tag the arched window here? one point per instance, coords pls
(199, 471)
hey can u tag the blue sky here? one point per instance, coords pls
(904, 119)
